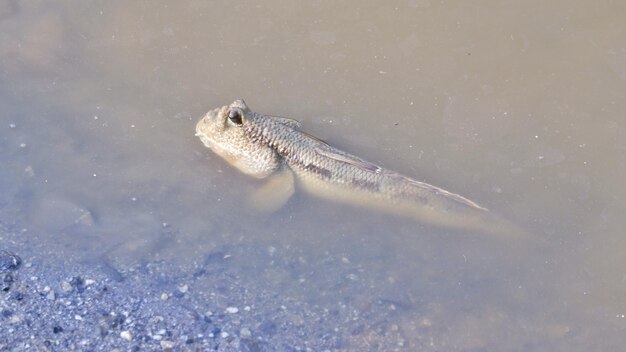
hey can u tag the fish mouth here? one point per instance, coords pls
(199, 127)
(203, 125)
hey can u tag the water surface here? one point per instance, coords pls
(519, 106)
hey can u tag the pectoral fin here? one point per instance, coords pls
(274, 193)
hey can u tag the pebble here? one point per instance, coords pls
(66, 286)
(9, 261)
(126, 335)
(245, 333)
(232, 310)
(78, 283)
(216, 330)
(183, 288)
(164, 297)
(15, 319)
(29, 171)
(167, 344)
(352, 277)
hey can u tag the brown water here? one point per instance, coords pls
(517, 105)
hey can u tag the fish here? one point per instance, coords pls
(275, 148)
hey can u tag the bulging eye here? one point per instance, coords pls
(235, 117)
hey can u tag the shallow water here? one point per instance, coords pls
(519, 107)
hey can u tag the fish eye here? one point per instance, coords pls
(235, 117)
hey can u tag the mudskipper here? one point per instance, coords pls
(275, 148)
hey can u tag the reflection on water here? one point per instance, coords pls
(518, 106)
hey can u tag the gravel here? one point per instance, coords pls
(216, 304)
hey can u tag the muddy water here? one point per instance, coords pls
(519, 106)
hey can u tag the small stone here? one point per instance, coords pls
(78, 283)
(164, 296)
(89, 282)
(245, 333)
(126, 335)
(78, 317)
(224, 334)
(15, 319)
(183, 288)
(51, 295)
(66, 286)
(6, 281)
(167, 344)
(9, 261)
(85, 218)
(18, 296)
(208, 313)
(232, 310)
(29, 171)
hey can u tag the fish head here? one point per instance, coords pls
(223, 125)
(229, 132)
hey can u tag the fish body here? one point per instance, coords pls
(264, 146)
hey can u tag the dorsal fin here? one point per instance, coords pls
(295, 124)
(350, 159)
